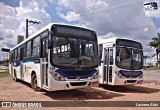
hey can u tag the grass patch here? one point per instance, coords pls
(152, 68)
(4, 74)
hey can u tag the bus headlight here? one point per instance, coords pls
(141, 76)
(119, 75)
(95, 76)
(57, 76)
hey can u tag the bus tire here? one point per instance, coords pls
(34, 83)
(15, 76)
(101, 85)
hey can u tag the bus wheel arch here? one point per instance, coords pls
(34, 81)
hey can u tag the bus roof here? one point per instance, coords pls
(111, 40)
(35, 34)
(42, 30)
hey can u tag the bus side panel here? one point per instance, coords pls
(30, 67)
(101, 71)
(10, 69)
(17, 69)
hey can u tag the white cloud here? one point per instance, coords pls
(108, 19)
(70, 16)
(13, 20)
(145, 29)
(99, 15)
(108, 35)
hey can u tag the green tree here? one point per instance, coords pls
(155, 43)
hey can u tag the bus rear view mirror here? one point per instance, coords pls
(5, 50)
(50, 44)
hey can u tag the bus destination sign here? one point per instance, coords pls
(74, 32)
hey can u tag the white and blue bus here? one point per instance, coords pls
(151, 6)
(58, 57)
(120, 61)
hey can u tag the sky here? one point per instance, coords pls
(109, 18)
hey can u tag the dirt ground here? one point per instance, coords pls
(21, 91)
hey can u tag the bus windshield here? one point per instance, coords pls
(74, 52)
(129, 58)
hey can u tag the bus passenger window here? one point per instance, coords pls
(111, 56)
(28, 49)
(100, 51)
(35, 48)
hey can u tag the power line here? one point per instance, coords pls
(100, 6)
(57, 19)
(97, 5)
(110, 10)
(119, 8)
(139, 27)
(94, 7)
(104, 10)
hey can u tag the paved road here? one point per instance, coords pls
(152, 75)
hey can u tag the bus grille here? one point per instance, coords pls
(77, 72)
(74, 74)
(131, 81)
(130, 72)
(78, 83)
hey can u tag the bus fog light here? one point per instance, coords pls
(119, 75)
(139, 77)
(55, 74)
(59, 78)
(51, 71)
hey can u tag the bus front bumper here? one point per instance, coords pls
(127, 81)
(74, 84)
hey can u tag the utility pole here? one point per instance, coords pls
(26, 28)
(158, 50)
(30, 21)
(1, 38)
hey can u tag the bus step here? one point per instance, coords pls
(44, 87)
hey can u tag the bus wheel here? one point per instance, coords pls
(15, 76)
(34, 83)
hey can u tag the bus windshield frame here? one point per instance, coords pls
(71, 51)
(129, 55)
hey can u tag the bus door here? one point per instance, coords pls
(21, 63)
(108, 65)
(12, 63)
(44, 61)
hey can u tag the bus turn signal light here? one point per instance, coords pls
(95, 83)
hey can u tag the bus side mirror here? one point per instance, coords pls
(5, 50)
(50, 44)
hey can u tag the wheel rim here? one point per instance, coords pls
(35, 82)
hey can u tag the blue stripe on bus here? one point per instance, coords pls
(60, 71)
(28, 60)
(155, 7)
(18, 63)
(100, 61)
(147, 4)
(32, 60)
(122, 72)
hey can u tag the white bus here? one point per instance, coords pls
(151, 6)
(120, 61)
(58, 57)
